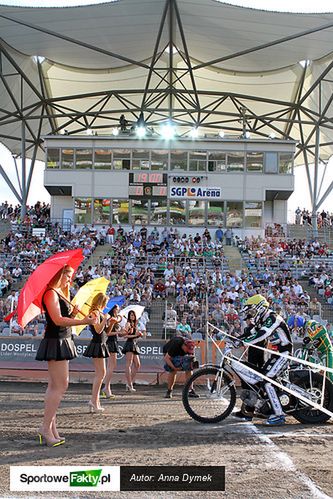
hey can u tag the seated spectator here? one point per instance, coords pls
(184, 329)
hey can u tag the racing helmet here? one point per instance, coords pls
(256, 306)
(311, 328)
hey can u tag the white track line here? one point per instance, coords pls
(288, 464)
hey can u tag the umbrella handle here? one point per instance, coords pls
(69, 302)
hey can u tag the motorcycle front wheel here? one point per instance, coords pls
(217, 395)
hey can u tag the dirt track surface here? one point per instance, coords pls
(294, 461)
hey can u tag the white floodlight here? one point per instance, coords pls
(272, 135)
(221, 134)
(141, 132)
(194, 133)
(305, 63)
(89, 131)
(247, 135)
(168, 131)
(115, 132)
(38, 59)
(174, 49)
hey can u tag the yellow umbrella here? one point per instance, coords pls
(84, 297)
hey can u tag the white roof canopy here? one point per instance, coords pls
(197, 62)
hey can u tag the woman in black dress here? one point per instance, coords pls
(97, 349)
(131, 350)
(112, 331)
(57, 348)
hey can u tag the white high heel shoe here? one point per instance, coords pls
(94, 409)
(130, 388)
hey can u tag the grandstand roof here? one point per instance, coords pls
(198, 62)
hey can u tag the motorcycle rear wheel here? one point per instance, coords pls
(217, 395)
(313, 382)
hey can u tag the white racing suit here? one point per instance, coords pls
(273, 329)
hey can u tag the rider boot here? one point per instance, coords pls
(246, 413)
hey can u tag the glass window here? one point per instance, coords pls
(177, 212)
(285, 162)
(140, 211)
(67, 158)
(253, 214)
(234, 214)
(83, 159)
(103, 159)
(120, 213)
(82, 210)
(121, 159)
(254, 161)
(159, 159)
(102, 211)
(235, 162)
(178, 160)
(271, 162)
(140, 159)
(197, 161)
(53, 158)
(159, 210)
(196, 212)
(215, 213)
(216, 161)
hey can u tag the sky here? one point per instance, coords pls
(300, 197)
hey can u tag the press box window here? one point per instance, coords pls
(102, 211)
(197, 161)
(121, 159)
(235, 162)
(178, 160)
(103, 159)
(234, 214)
(254, 161)
(215, 213)
(53, 158)
(216, 161)
(67, 159)
(159, 160)
(177, 212)
(140, 159)
(253, 214)
(82, 210)
(158, 214)
(83, 159)
(120, 214)
(285, 163)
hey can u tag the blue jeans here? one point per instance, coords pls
(182, 361)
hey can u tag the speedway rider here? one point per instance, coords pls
(267, 327)
(318, 337)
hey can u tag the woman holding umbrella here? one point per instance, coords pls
(57, 348)
(97, 349)
(131, 350)
(112, 332)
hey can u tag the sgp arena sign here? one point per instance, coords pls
(195, 192)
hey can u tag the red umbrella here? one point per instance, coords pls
(29, 303)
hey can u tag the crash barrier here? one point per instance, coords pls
(18, 353)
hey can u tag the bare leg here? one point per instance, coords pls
(136, 367)
(99, 365)
(111, 365)
(57, 385)
(171, 379)
(129, 361)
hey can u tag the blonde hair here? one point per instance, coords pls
(99, 302)
(56, 280)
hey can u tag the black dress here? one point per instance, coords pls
(97, 348)
(112, 341)
(131, 344)
(57, 343)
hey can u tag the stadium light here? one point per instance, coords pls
(272, 135)
(38, 59)
(194, 132)
(115, 132)
(89, 131)
(221, 134)
(141, 132)
(168, 131)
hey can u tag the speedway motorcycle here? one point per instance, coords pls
(304, 394)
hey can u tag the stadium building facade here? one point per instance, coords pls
(243, 184)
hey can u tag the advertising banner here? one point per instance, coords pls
(20, 353)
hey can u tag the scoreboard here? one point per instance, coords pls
(148, 185)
